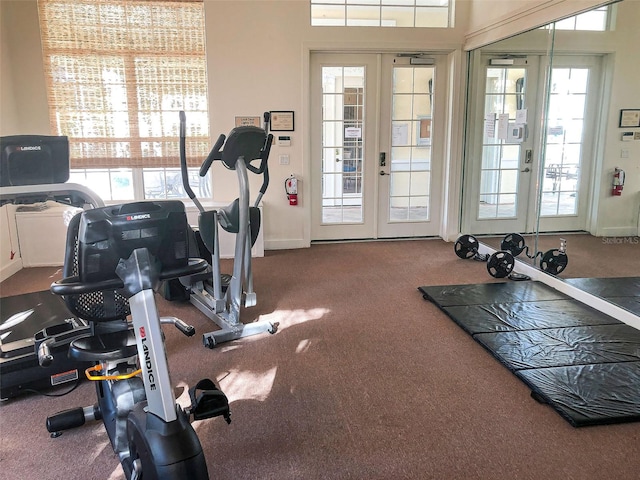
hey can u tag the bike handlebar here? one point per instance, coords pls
(216, 154)
(213, 155)
(183, 156)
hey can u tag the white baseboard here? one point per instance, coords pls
(628, 231)
(10, 269)
(288, 244)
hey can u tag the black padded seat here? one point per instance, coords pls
(103, 348)
(230, 216)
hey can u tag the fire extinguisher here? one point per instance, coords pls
(291, 188)
(618, 181)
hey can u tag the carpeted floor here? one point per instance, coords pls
(364, 380)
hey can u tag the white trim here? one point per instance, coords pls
(628, 231)
(593, 301)
(305, 241)
(287, 244)
(454, 146)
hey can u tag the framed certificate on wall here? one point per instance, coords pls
(282, 121)
(629, 118)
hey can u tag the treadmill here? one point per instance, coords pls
(35, 168)
(28, 321)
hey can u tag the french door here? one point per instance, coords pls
(529, 154)
(376, 146)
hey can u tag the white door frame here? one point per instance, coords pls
(379, 100)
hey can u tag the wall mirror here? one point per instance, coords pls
(543, 141)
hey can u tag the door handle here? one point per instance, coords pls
(526, 170)
(383, 173)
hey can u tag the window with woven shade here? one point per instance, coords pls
(117, 74)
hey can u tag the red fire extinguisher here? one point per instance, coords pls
(291, 187)
(618, 181)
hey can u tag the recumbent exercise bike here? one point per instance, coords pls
(219, 296)
(115, 258)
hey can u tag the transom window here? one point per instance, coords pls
(382, 13)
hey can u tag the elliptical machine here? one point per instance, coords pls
(219, 296)
(115, 258)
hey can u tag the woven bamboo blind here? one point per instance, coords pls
(118, 73)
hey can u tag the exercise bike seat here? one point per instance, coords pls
(103, 348)
(93, 291)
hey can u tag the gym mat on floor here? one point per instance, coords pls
(581, 362)
(586, 395)
(525, 315)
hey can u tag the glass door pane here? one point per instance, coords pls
(412, 116)
(504, 96)
(343, 131)
(564, 137)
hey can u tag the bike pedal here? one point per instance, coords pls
(210, 402)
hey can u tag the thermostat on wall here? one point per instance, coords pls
(284, 141)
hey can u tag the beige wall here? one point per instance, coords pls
(619, 216)
(26, 111)
(7, 102)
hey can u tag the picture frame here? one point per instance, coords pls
(282, 121)
(630, 118)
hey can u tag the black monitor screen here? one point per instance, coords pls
(33, 160)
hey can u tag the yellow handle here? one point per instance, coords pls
(89, 372)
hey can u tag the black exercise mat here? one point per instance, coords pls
(527, 324)
(589, 394)
(486, 293)
(505, 317)
(556, 347)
